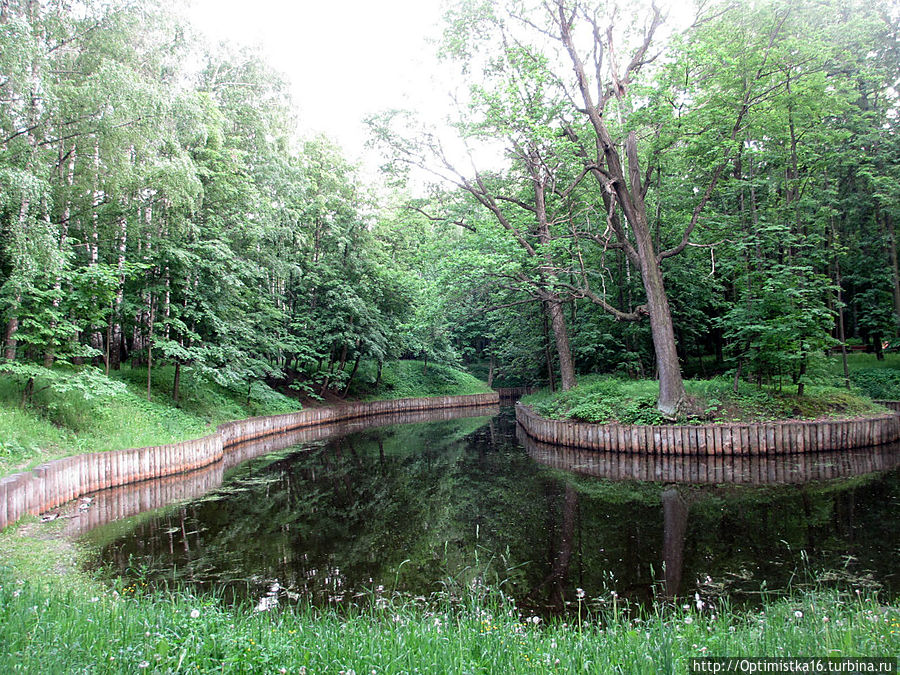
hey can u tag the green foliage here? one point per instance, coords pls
(878, 383)
(603, 399)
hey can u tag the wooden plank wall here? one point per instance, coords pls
(770, 469)
(54, 483)
(714, 439)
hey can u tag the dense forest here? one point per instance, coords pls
(663, 203)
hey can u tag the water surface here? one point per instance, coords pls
(438, 506)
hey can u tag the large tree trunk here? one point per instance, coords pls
(629, 195)
(671, 387)
(554, 304)
(548, 356)
(561, 335)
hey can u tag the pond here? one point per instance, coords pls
(424, 507)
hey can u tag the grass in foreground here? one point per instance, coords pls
(601, 399)
(54, 619)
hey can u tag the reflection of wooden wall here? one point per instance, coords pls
(771, 469)
(715, 439)
(62, 480)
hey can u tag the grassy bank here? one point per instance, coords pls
(600, 399)
(413, 379)
(57, 424)
(54, 619)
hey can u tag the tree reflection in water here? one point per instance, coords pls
(425, 507)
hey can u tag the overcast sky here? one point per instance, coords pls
(344, 59)
(350, 58)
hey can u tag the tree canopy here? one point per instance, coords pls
(726, 191)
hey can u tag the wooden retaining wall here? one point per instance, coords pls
(890, 405)
(714, 439)
(54, 483)
(771, 469)
(515, 392)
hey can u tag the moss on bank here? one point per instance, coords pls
(602, 399)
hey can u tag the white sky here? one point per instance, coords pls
(344, 60)
(347, 59)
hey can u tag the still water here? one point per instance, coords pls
(434, 506)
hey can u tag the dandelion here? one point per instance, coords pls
(698, 603)
(282, 670)
(579, 593)
(798, 614)
(94, 599)
(689, 620)
(144, 664)
(535, 620)
(195, 613)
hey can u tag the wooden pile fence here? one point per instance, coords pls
(515, 392)
(54, 483)
(772, 469)
(714, 439)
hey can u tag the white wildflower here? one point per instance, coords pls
(195, 613)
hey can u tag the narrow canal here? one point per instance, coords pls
(446, 505)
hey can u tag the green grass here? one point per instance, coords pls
(601, 399)
(863, 361)
(411, 379)
(54, 619)
(877, 379)
(56, 425)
